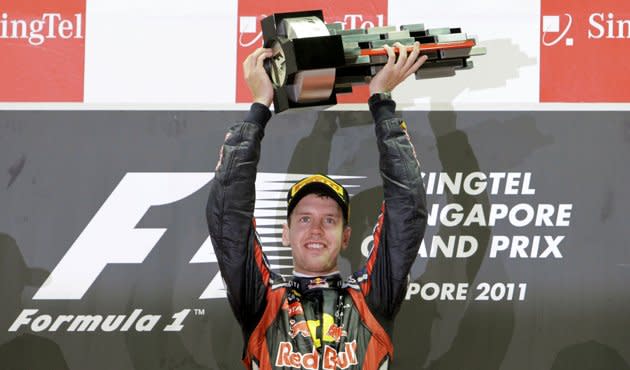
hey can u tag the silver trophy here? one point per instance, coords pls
(313, 61)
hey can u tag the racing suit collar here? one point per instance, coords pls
(303, 283)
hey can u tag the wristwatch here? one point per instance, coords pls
(377, 97)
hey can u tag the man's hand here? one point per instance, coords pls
(394, 72)
(256, 77)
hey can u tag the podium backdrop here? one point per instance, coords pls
(105, 261)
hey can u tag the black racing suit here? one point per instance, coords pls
(321, 323)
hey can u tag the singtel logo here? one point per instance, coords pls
(551, 24)
(37, 31)
(601, 26)
(608, 27)
(250, 35)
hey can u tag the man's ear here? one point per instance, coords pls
(285, 235)
(345, 237)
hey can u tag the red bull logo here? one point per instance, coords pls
(299, 327)
(336, 332)
(287, 358)
(331, 359)
(318, 283)
(340, 360)
(295, 309)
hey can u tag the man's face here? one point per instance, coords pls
(316, 235)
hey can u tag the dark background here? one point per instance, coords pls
(57, 168)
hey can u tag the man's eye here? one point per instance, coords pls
(305, 219)
(330, 220)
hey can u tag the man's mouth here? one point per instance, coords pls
(315, 246)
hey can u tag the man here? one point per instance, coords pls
(315, 320)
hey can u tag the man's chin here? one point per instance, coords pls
(317, 270)
(321, 254)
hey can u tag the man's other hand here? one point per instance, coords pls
(256, 77)
(396, 71)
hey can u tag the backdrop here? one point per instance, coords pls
(106, 264)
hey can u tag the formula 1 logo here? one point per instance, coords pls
(111, 236)
(551, 25)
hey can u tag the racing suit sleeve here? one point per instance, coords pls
(401, 224)
(230, 217)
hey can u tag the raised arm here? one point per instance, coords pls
(230, 205)
(402, 222)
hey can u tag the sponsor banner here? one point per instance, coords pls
(42, 44)
(107, 263)
(351, 14)
(583, 51)
(168, 53)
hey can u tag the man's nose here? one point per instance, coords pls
(317, 227)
